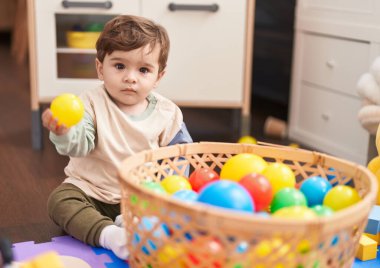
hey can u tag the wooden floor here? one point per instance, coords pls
(27, 176)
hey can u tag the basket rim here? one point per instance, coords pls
(325, 224)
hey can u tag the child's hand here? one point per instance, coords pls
(51, 123)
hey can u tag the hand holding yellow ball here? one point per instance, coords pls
(68, 109)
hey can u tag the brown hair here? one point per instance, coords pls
(127, 33)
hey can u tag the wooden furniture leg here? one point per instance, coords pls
(20, 33)
(37, 131)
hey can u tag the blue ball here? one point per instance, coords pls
(242, 247)
(315, 188)
(263, 214)
(227, 194)
(186, 195)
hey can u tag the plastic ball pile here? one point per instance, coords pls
(247, 183)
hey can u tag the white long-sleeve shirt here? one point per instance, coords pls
(106, 136)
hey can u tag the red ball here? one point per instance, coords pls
(259, 189)
(201, 177)
(204, 250)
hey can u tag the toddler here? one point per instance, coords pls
(123, 116)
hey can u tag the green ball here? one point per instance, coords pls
(154, 186)
(94, 27)
(322, 211)
(287, 197)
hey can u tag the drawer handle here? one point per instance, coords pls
(331, 63)
(325, 117)
(105, 5)
(180, 7)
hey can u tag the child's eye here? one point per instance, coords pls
(119, 66)
(144, 70)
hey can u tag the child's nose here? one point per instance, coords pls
(130, 77)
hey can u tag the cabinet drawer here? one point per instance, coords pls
(334, 63)
(343, 5)
(88, 6)
(331, 120)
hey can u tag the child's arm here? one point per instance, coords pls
(78, 140)
(182, 136)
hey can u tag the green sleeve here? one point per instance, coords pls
(79, 141)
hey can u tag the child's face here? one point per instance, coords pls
(129, 76)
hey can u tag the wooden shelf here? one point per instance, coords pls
(68, 50)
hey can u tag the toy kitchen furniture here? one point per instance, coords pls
(209, 63)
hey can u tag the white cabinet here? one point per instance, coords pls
(209, 63)
(207, 53)
(60, 69)
(335, 42)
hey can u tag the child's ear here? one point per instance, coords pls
(160, 75)
(99, 69)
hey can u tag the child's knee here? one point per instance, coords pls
(52, 202)
(62, 200)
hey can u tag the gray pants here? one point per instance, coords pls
(79, 215)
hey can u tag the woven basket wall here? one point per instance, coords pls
(197, 235)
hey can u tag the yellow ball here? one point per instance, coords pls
(263, 249)
(242, 164)
(374, 164)
(296, 213)
(303, 246)
(174, 183)
(68, 109)
(247, 139)
(279, 176)
(275, 249)
(340, 197)
(378, 180)
(294, 145)
(168, 254)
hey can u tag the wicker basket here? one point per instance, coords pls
(197, 235)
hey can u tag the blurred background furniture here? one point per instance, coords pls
(7, 14)
(19, 47)
(334, 45)
(13, 18)
(209, 64)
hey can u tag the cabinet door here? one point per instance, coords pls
(206, 60)
(61, 68)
